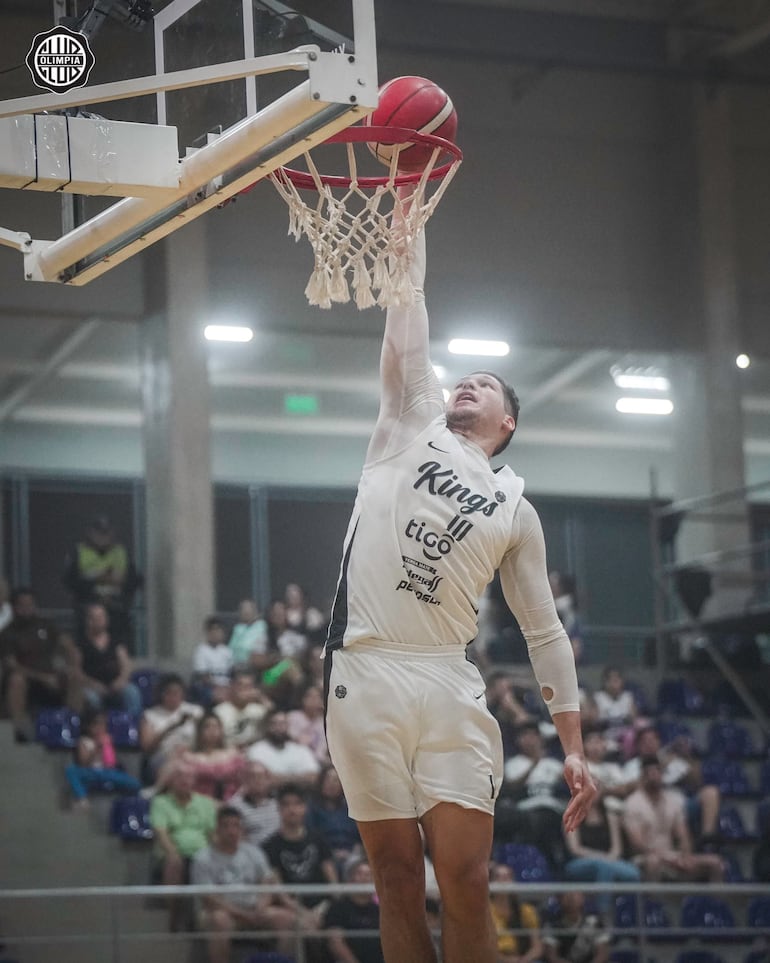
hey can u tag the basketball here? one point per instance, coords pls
(416, 103)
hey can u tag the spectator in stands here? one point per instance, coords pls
(96, 764)
(506, 708)
(681, 770)
(248, 639)
(6, 610)
(534, 779)
(213, 663)
(256, 804)
(509, 914)
(306, 724)
(656, 827)
(242, 715)
(616, 709)
(327, 814)
(288, 640)
(168, 727)
(565, 600)
(183, 822)
(302, 617)
(298, 854)
(596, 849)
(230, 861)
(38, 664)
(348, 914)
(613, 784)
(104, 665)
(574, 936)
(99, 569)
(285, 759)
(217, 769)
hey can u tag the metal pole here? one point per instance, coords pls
(657, 575)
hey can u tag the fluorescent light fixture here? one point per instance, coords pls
(439, 371)
(489, 349)
(641, 382)
(446, 393)
(743, 361)
(227, 332)
(644, 406)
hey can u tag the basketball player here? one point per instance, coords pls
(407, 723)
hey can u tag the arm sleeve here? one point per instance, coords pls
(524, 579)
(410, 392)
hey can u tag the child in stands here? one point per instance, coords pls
(96, 765)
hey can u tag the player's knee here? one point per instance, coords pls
(400, 879)
(463, 884)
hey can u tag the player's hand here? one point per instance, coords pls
(582, 789)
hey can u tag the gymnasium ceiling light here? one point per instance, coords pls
(227, 332)
(639, 379)
(743, 361)
(487, 349)
(644, 406)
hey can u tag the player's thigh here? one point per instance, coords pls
(460, 755)
(460, 843)
(372, 732)
(394, 848)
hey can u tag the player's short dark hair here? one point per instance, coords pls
(166, 681)
(213, 621)
(512, 406)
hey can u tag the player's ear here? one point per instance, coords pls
(509, 423)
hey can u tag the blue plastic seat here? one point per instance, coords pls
(759, 912)
(731, 824)
(625, 956)
(57, 728)
(529, 865)
(698, 956)
(677, 697)
(124, 729)
(733, 871)
(728, 775)
(763, 817)
(706, 912)
(671, 729)
(130, 818)
(764, 779)
(640, 697)
(146, 680)
(730, 739)
(626, 913)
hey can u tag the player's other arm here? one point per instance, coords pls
(524, 579)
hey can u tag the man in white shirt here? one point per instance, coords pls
(243, 714)
(286, 760)
(213, 661)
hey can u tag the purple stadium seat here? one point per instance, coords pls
(130, 818)
(146, 680)
(759, 912)
(731, 824)
(729, 776)
(527, 862)
(677, 697)
(124, 729)
(730, 739)
(706, 912)
(57, 728)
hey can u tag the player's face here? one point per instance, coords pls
(477, 402)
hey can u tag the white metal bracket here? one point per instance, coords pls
(19, 240)
(32, 252)
(342, 78)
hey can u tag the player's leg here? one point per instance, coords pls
(395, 852)
(460, 843)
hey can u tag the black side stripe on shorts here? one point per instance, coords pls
(339, 619)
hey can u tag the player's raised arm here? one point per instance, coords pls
(410, 395)
(524, 580)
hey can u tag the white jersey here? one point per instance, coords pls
(431, 525)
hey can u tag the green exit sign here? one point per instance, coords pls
(300, 404)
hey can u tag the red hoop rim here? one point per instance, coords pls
(378, 135)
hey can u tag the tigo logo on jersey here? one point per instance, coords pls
(60, 59)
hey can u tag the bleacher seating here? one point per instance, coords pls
(731, 825)
(124, 729)
(729, 775)
(730, 739)
(130, 819)
(759, 912)
(706, 912)
(678, 698)
(529, 865)
(57, 728)
(146, 680)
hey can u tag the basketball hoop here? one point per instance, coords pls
(361, 228)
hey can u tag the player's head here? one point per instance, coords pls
(482, 401)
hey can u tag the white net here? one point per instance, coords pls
(357, 251)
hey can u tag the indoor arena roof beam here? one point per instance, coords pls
(566, 376)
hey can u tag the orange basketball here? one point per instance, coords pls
(420, 105)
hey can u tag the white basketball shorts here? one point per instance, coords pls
(410, 728)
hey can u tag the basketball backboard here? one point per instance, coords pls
(244, 85)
